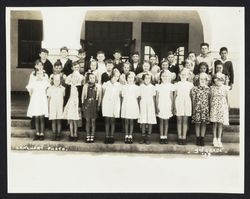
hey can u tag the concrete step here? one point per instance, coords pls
(100, 126)
(171, 148)
(22, 132)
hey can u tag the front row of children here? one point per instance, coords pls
(130, 102)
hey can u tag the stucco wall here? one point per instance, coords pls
(137, 17)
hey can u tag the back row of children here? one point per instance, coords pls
(132, 91)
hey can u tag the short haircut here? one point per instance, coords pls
(109, 61)
(135, 53)
(218, 62)
(170, 53)
(75, 63)
(44, 50)
(152, 56)
(64, 48)
(144, 76)
(87, 76)
(204, 44)
(117, 51)
(203, 64)
(128, 63)
(191, 52)
(130, 73)
(58, 63)
(100, 52)
(146, 62)
(113, 72)
(81, 61)
(80, 51)
(163, 61)
(38, 61)
(223, 49)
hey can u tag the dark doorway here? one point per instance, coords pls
(159, 38)
(108, 36)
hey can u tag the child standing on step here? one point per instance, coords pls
(164, 101)
(219, 113)
(111, 105)
(183, 105)
(147, 107)
(130, 107)
(72, 110)
(200, 101)
(55, 97)
(38, 106)
(91, 102)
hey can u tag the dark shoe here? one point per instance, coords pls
(198, 141)
(161, 141)
(36, 137)
(142, 141)
(41, 137)
(58, 137)
(75, 139)
(106, 141)
(165, 141)
(111, 140)
(202, 142)
(126, 140)
(147, 142)
(71, 138)
(179, 141)
(184, 141)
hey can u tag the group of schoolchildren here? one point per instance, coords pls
(132, 91)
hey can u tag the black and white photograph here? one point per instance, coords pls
(125, 99)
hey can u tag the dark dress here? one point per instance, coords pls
(67, 68)
(105, 77)
(48, 67)
(174, 69)
(90, 103)
(119, 66)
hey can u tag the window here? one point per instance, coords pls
(164, 37)
(108, 36)
(30, 34)
(148, 51)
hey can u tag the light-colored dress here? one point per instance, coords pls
(111, 103)
(71, 109)
(219, 106)
(147, 106)
(130, 106)
(38, 105)
(164, 100)
(56, 95)
(183, 102)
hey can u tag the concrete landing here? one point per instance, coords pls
(119, 146)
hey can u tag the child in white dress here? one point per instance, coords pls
(72, 109)
(164, 101)
(130, 107)
(147, 107)
(55, 97)
(183, 105)
(38, 106)
(111, 106)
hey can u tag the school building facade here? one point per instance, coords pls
(146, 31)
